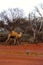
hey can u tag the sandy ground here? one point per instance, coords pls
(28, 54)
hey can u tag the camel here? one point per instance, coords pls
(15, 35)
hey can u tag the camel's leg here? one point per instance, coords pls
(14, 41)
(17, 41)
(8, 38)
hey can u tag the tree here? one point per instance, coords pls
(1, 24)
(38, 11)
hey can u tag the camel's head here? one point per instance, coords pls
(20, 35)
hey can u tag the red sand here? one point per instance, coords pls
(17, 55)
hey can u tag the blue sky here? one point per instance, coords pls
(27, 5)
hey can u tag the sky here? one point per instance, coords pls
(26, 5)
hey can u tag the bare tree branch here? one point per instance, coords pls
(37, 10)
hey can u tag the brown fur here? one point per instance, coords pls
(14, 34)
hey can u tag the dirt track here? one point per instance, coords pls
(28, 54)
